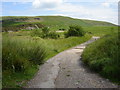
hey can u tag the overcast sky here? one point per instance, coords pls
(102, 10)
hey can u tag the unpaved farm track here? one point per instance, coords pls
(66, 70)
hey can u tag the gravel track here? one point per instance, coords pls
(66, 70)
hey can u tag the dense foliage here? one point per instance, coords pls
(75, 31)
(102, 56)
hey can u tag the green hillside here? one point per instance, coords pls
(54, 22)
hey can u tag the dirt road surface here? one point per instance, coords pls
(66, 70)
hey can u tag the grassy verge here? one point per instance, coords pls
(18, 79)
(102, 57)
(19, 56)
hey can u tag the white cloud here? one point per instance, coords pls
(46, 4)
(112, 0)
(106, 4)
(79, 11)
(36, 3)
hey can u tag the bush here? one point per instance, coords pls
(102, 56)
(45, 30)
(75, 31)
(45, 33)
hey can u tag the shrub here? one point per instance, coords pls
(53, 35)
(45, 33)
(75, 31)
(63, 29)
(45, 30)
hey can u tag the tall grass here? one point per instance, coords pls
(102, 56)
(19, 53)
(20, 58)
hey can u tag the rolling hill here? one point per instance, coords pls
(54, 22)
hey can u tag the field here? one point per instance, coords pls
(24, 50)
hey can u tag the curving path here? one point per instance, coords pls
(66, 70)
